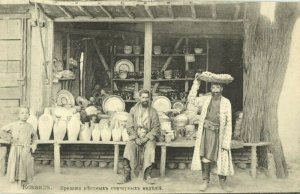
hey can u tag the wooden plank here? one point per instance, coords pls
(129, 14)
(14, 16)
(14, 67)
(56, 158)
(116, 158)
(14, 49)
(9, 83)
(10, 110)
(9, 103)
(149, 12)
(170, 11)
(68, 51)
(43, 11)
(3, 66)
(14, 2)
(106, 12)
(3, 50)
(147, 19)
(14, 76)
(187, 67)
(14, 30)
(66, 12)
(237, 11)
(253, 161)
(137, 66)
(168, 61)
(85, 11)
(148, 56)
(10, 93)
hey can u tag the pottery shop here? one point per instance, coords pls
(80, 64)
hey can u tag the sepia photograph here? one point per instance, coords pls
(149, 96)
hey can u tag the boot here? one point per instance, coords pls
(223, 185)
(127, 172)
(147, 175)
(205, 176)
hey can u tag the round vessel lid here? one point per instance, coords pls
(161, 103)
(113, 103)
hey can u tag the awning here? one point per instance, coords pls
(141, 10)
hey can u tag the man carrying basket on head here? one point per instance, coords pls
(212, 147)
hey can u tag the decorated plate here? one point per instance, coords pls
(124, 65)
(179, 105)
(113, 103)
(161, 103)
(64, 97)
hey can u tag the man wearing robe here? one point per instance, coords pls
(212, 147)
(142, 126)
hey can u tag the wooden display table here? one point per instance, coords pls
(181, 144)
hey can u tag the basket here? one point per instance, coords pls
(215, 78)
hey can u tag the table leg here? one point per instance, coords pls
(116, 158)
(163, 156)
(56, 158)
(253, 161)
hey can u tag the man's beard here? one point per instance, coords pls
(216, 94)
(145, 104)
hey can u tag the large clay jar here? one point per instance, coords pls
(125, 136)
(105, 130)
(60, 128)
(116, 134)
(74, 127)
(33, 120)
(96, 132)
(85, 132)
(45, 125)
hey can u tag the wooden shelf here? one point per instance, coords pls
(128, 80)
(179, 79)
(160, 55)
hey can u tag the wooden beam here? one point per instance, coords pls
(168, 61)
(148, 56)
(126, 3)
(124, 19)
(14, 16)
(43, 11)
(68, 51)
(193, 10)
(66, 12)
(170, 11)
(214, 11)
(85, 11)
(14, 2)
(106, 12)
(149, 12)
(129, 14)
(237, 11)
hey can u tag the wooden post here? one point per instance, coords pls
(163, 156)
(84, 66)
(137, 66)
(187, 67)
(56, 157)
(206, 66)
(253, 161)
(68, 51)
(116, 158)
(148, 56)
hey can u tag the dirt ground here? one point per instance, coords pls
(102, 180)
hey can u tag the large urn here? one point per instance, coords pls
(33, 120)
(105, 130)
(45, 125)
(117, 134)
(73, 128)
(96, 132)
(85, 132)
(60, 128)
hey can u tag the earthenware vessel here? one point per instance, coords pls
(60, 128)
(105, 131)
(127, 49)
(96, 132)
(33, 120)
(73, 128)
(85, 132)
(117, 134)
(137, 50)
(45, 125)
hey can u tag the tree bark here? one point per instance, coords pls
(266, 55)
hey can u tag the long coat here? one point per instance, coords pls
(224, 160)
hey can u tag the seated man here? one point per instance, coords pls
(142, 126)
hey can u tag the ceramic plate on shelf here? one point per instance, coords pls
(124, 65)
(65, 97)
(179, 105)
(161, 103)
(113, 103)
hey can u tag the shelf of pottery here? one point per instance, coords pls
(73, 124)
(173, 69)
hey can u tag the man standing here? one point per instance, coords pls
(142, 126)
(212, 147)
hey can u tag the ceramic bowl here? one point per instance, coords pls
(168, 74)
(157, 50)
(123, 74)
(198, 50)
(127, 49)
(137, 50)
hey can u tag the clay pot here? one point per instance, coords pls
(198, 50)
(60, 128)
(45, 125)
(33, 120)
(137, 50)
(123, 74)
(157, 50)
(168, 74)
(181, 165)
(127, 49)
(85, 132)
(102, 164)
(96, 132)
(73, 128)
(116, 134)
(125, 136)
(105, 131)
(171, 165)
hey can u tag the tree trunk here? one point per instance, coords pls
(266, 54)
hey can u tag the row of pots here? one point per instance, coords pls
(157, 50)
